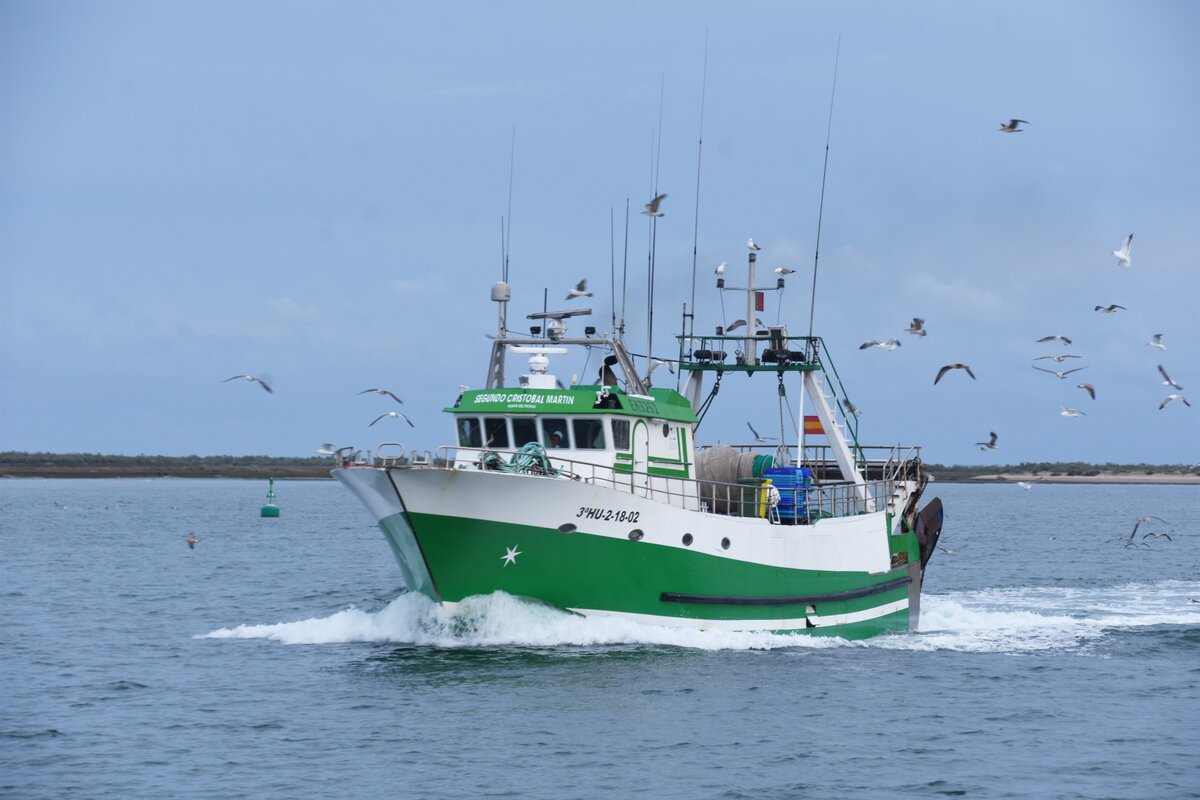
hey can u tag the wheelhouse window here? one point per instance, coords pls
(554, 433)
(496, 431)
(469, 432)
(524, 431)
(620, 434)
(589, 434)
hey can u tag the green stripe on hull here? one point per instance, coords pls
(574, 570)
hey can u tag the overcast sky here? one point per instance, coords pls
(313, 191)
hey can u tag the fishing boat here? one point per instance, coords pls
(597, 497)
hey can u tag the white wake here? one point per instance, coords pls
(1016, 620)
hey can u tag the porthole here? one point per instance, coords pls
(725, 543)
(687, 540)
(567, 527)
(636, 534)
(666, 430)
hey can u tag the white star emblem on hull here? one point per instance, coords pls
(510, 557)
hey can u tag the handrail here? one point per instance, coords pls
(826, 498)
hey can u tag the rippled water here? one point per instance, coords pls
(281, 659)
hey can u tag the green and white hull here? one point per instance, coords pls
(599, 550)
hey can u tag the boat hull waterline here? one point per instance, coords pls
(596, 550)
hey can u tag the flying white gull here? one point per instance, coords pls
(580, 290)
(385, 393)
(758, 438)
(754, 248)
(259, 381)
(655, 363)
(1062, 339)
(1012, 125)
(1087, 387)
(1061, 375)
(738, 323)
(1147, 518)
(1070, 412)
(1110, 309)
(1027, 485)
(652, 207)
(989, 445)
(393, 414)
(1156, 341)
(1056, 359)
(949, 367)
(917, 327)
(890, 344)
(1171, 398)
(1123, 254)
(1167, 379)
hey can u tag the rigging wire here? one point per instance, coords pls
(824, 171)
(512, 160)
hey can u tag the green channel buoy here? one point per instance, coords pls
(270, 509)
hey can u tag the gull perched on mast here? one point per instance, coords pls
(652, 207)
(720, 270)
(754, 248)
(1123, 254)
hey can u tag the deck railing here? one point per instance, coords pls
(750, 498)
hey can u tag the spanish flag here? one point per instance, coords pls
(813, 425)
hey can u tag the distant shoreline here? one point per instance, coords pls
(323, 473)
(1108, 478)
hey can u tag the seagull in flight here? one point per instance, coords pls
(385, 393)
(890, 344)
(1061, 375)
(754, 248)
(1147, 518)
(1123, 254)
(651, 209)
(1171, 398)
(1087, 387)
(1027, 485)
(191, 540)
(1110, 309)
(1167, 379)
(1062, 339)
(949, 367)
(758, 438)
(259, 381)
(1056, 359)
(580, 290)
(393, 414)
(1012, 125)
(917, 327)
(1156, 341)
(989, 445)
(326, 449)
(1070, 412)
(655, 363)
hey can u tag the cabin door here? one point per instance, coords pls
(640, 445)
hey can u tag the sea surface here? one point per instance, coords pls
(282, 658)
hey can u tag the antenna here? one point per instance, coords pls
(624, 274)
(824, 171)
(657, 162)
(512, 160)
(696, 222)
(612, 266)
